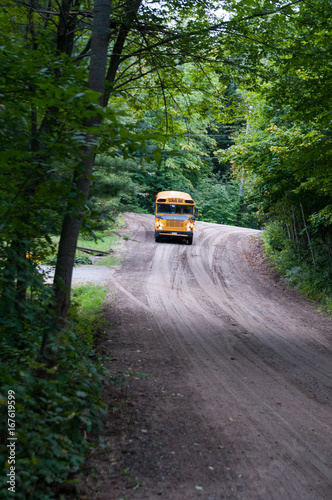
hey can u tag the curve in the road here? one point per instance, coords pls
(251, 351)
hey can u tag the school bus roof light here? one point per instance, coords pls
(161, 200)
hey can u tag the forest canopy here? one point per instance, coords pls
(103, 104)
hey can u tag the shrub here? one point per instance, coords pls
(54, 414)
(295, 263)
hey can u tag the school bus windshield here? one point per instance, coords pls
(164, 208)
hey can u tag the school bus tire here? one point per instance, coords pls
(190, 240)
(157, 238)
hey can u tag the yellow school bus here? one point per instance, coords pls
(174, 215)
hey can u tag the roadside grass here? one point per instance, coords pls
(87, 310)
(90, 299)
(109, 260)
(104, 240)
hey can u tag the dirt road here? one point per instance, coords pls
(238, 402)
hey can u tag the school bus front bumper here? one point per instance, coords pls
(174, 226)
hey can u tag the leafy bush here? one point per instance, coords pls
(54, 414)
(85, 260)
(51, 261)
(295, 264)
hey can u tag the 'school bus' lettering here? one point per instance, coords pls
(174, 215)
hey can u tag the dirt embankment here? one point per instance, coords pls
(238, 402)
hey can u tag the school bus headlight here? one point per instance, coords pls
(190, 227)
(159, 224)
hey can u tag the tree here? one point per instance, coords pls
(79, 65)
(284, 151)
(286, 167)
(69, 72)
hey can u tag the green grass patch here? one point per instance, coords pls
(104, 241)
(87, 311)
(109, 260)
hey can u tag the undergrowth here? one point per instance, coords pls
(55, 415)
(296, 265)
(79, 260)
(86, 307)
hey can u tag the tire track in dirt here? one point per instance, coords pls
(253, 361)
(183, 329)
(268, 321)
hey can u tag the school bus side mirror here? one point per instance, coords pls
(196, 211)
(153, 207)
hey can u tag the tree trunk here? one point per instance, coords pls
(295, 231)
(82, 176)
(308, 236)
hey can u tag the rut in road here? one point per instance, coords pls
(254, 358)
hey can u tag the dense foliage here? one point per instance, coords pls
(285, 151)
(134, 97)
(54, 414)
(55, 117)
